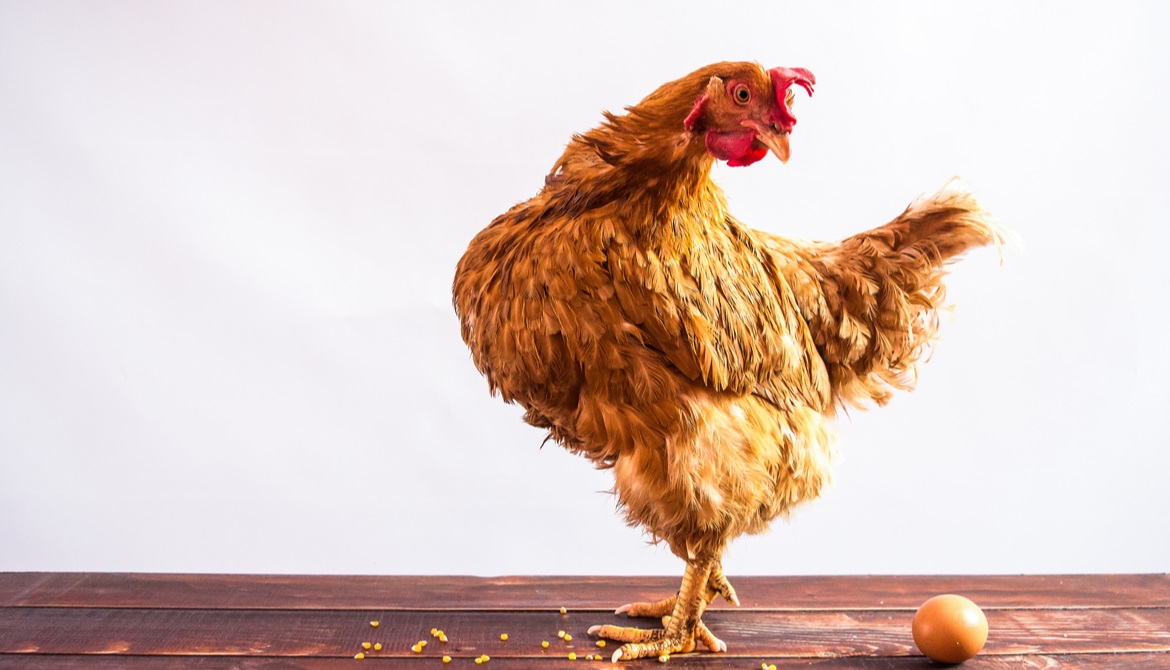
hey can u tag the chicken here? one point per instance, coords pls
(648, 330)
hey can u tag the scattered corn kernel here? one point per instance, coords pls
(588, 657)
(544, 644)
(374, 624)
(442, 636)
(359, 656)
(601, 643)
(479, 660)
(366, 646)
(568, 637)
(664, 658)
(377, 646)
(422, 643)
(561, 634)
(564, 611)
(503, 637)
(446, 659)
(572, 656)
(772, 667)
(416, 649)
(434, 632)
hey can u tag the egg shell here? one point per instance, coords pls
(949, 628)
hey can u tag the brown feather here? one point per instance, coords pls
(651, 332)
(872, 301)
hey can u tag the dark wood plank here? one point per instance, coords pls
(112, 590)
(808, 634)
(65, 621)
(1131, 661)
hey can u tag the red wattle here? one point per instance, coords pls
(734, 147)
(750, 157)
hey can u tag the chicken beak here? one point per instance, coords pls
(777, 141)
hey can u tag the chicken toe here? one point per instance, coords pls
(653, 610)
(720, 585)
(682, 628)
(717, 585)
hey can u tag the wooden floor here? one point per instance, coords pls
(95, 620)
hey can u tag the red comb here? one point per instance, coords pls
(782, 79)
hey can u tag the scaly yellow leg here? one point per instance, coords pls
(717, 584)
(681, 629)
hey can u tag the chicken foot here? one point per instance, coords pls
(682, 628)
(717, 585)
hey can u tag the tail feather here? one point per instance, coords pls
(872, 301)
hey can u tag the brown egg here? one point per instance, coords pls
(949, 628)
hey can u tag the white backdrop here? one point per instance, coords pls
(228, 232)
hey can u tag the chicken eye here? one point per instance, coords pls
(742, 94)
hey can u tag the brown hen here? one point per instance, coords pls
(653, 333)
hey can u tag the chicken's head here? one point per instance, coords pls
(745, 111)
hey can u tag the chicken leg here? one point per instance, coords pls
(681, 616)
(717, 585)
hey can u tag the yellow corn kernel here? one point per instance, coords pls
(564, 611)
(377, 646)
(568, 637)
(772, 667)
(544, 644)
(446, 659)
(479, 660)
(764, 665)
(434, 632)
(366, 646)
(503, 637)
(486, 658)
(601, 643)
(359, 656)
(572, 656)
(416, 649)
(664, 658)
(422, 643)
(374, 624)
(588, 657)
(442, 636)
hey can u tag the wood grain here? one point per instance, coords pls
(97, 621)
(1139, 661)
(471, 633)
(436, 593)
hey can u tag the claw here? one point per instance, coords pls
(681, 615)
(708, 638)
(719, 583)
(651, 610)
